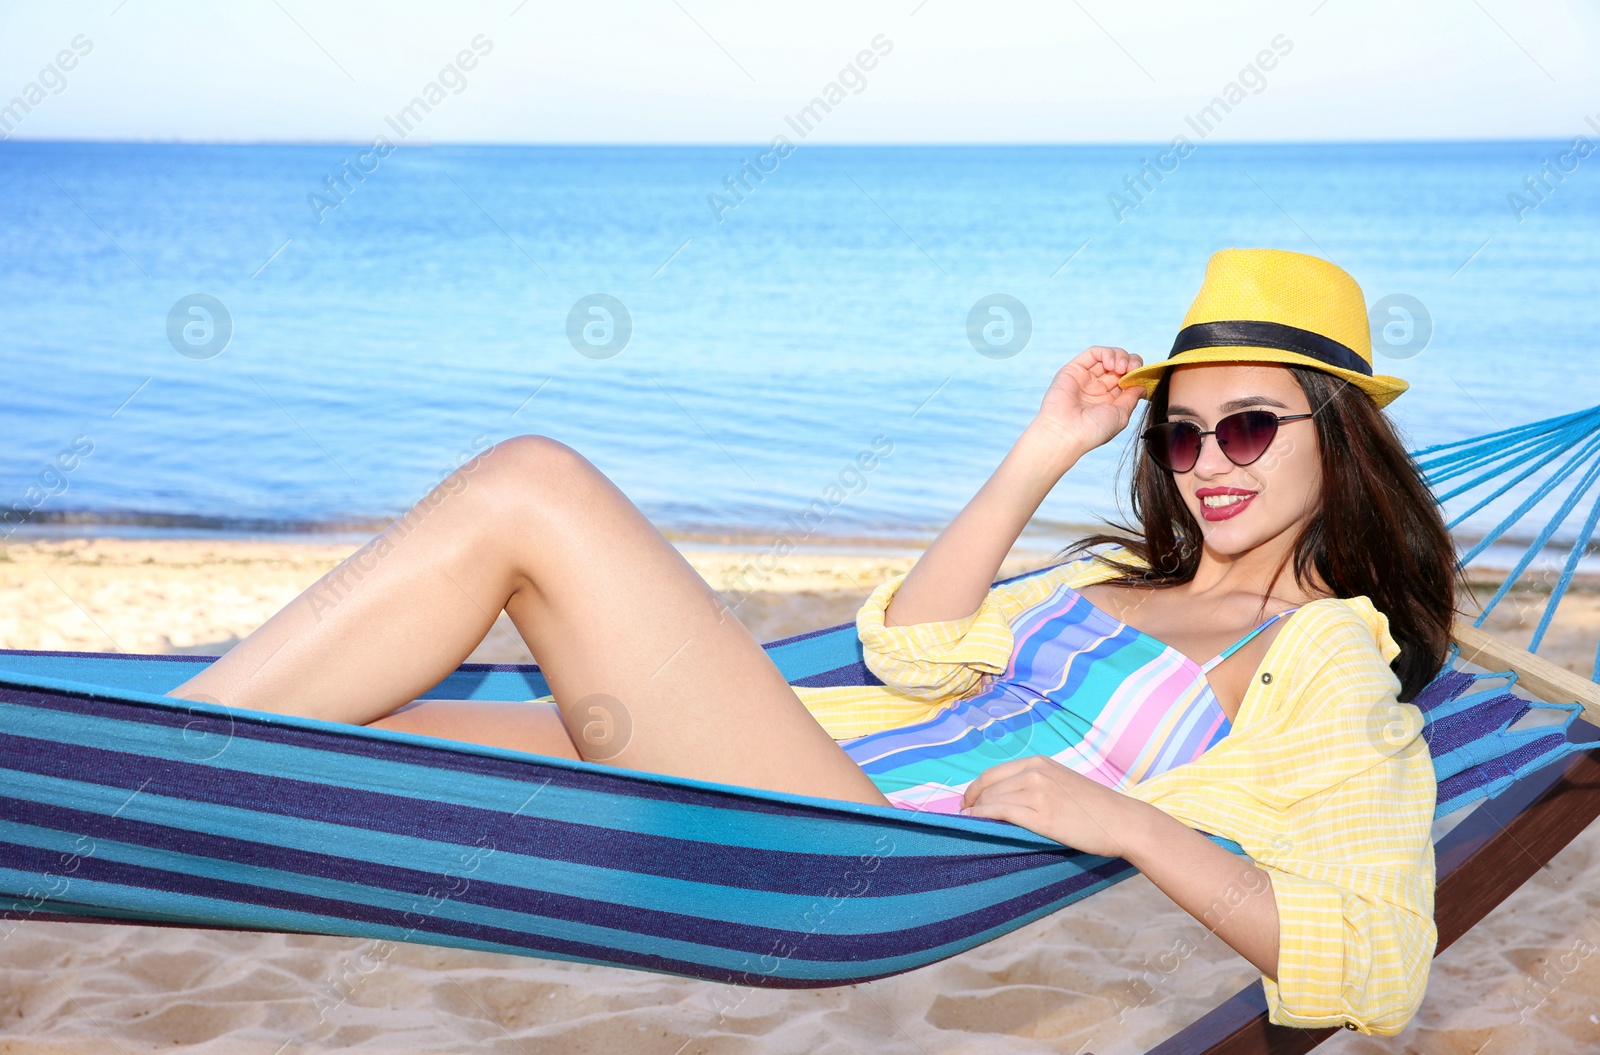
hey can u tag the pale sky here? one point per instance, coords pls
(717, 71)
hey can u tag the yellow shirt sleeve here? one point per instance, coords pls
(1328, 786)
(925, 667)
(944, 661)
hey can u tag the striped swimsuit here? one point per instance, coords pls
(1089, 691)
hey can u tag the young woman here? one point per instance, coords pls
(1236, 666)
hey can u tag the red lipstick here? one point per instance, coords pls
(1238, 499)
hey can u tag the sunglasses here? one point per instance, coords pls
(1243, 437)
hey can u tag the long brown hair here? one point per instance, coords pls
(1377, 531)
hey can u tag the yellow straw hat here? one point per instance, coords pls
(1274, 306)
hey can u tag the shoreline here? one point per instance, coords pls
(201, 596)
(202, 593)
(357, 533)
(1038, 534)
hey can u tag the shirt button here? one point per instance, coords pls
(1266, 679)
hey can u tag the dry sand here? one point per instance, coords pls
(1054, 985)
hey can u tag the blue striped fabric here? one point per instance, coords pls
(118, 803)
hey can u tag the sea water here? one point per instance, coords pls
(840, 342)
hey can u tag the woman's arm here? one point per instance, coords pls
(1083, 408)
(1227, 893)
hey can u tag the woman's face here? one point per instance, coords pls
(1240, 507)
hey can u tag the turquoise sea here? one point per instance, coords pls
(307, 338)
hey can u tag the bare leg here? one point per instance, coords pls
(533, 727)
(617, 619)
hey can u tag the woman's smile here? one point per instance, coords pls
(1221, 503)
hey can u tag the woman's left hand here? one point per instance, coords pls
(1044, 796)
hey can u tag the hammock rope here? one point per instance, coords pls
(1515, 457)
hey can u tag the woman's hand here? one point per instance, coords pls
(1085, 402)
(1229, 895)
(1044, 796)
(954, 575)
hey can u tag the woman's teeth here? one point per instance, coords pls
(1216, 501)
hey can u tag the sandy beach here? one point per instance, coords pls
(1055, 985)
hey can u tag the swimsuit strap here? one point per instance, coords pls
(1243, 641)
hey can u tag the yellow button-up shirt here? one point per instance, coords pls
(1324, 780)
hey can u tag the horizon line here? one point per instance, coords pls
(744, 145)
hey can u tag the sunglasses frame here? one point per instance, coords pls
(1277, 419)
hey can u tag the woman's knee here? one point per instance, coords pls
(532, 452)
(528, 466)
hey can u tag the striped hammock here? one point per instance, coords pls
(120, 804)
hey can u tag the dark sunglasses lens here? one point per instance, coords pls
(1175, 445)
(1245, 436)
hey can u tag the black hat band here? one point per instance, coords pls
(1255, 334)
